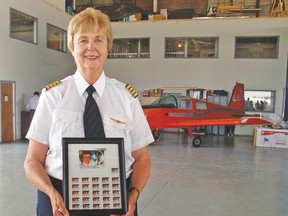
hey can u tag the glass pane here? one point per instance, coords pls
(145, 48)
(130, 48)
(200, 105)
(256, 47)
(202, 47)
(191, 47)
(56, 38)
(23, 27)
(185, 104)
(170, 100)
(259, 101)
(174, 47)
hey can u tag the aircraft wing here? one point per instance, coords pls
(211, 122)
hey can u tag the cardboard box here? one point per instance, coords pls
(276, 138)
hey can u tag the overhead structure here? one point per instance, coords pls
(229, 9)
(279, 8)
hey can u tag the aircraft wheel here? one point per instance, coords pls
(156, 135)
(196, 141)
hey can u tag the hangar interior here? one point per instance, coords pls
(199, 8)
(229, 175)
(163, 67)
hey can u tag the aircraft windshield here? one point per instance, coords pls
(167, 100)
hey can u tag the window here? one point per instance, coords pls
(23, 27)
(56, 38)
(130, 48)
(256, 47)
(259, 101)
(188, 47)
(201, 105)
(185, 103)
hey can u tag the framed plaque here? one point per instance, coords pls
(94, 180)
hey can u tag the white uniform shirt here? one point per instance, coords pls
(60, 114)
(32, 103)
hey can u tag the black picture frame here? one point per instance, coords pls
(94, 179)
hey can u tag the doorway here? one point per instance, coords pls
(7, 111)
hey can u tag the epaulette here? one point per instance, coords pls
(51, 85)
(131, 90)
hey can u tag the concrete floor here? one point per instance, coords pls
(226, 176)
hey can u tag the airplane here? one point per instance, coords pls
(185, 112)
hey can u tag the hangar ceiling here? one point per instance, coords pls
(78, 4)
(199, 7)
(120, 8)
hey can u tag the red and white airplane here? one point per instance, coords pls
(186, 112)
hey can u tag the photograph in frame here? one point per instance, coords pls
(94, 179)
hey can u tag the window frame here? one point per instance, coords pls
(259, 94)
(139, 54)
(184, 42)
(255, 49)
(63, 44)
(35, 26)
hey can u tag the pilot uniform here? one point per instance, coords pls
(60, 114)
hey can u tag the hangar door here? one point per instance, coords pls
(285, 97)
(7, 111)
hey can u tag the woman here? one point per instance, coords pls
(60, 114)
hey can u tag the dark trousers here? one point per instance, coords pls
(31, 114)
(44, 207)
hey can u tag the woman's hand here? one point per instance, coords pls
(57, 203)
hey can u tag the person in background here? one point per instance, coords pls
(32, 104)
(60, 114)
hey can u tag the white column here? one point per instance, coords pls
(155, 4)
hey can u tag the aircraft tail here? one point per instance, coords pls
(237, 101)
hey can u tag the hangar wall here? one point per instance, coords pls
(31, 66)
(219, 73)
(56, 3)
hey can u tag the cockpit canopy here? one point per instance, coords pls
(180, 102)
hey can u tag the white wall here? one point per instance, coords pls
(31, 66)
(220, 73)
(59, 4)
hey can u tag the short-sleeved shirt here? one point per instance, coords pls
(60, 114)
(32, 103)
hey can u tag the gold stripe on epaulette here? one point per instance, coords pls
(131, 90)
(51, 85)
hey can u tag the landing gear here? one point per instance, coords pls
(196, 141)
(156, 134)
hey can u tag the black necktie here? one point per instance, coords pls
(93, 125)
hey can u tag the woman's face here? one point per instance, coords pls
(90, 52)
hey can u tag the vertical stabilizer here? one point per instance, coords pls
(237, 101)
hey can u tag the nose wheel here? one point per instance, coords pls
(156, 134)
(196, 141)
